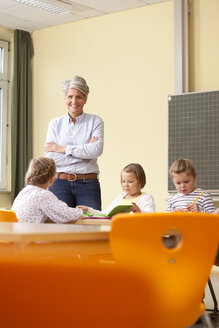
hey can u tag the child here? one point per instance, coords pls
(133, 179)
(35, 204)
(184, 176)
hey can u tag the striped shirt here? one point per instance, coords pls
(205, 201)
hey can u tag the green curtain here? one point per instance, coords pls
(21, 110)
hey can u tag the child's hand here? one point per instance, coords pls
(179, 210)
(135, 208)
(192, 208)
(216, 211)
(83, 208)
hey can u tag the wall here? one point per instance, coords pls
(5, 198)
(204, 47)
(127, 60)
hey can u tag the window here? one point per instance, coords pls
(3, 113)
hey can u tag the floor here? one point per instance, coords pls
(209, 302)
(215, 322)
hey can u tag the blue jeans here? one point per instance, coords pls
(79, 192)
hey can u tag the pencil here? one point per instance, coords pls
(197, 197)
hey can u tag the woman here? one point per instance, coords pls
(75, 141)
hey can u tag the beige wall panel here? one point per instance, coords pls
(127, 60)
(204, 45)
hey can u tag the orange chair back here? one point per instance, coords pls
(178, 275)
(7, 216)
(54, 295)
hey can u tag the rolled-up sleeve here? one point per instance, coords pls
(80, 155)
(89, 150)
(60, 159)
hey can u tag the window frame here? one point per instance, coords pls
(4, 74)
(3, 118)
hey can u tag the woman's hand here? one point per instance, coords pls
(192, 208)
(216, 211)
(135, 208)
(52, 146)
(83, 208)
(93, 139)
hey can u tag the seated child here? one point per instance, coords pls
(189, 198)
(133, 179)
(36, 204)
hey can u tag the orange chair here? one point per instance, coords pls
(178, 273)
(7, 216)
(54, 295)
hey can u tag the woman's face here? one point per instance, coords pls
(75, 101)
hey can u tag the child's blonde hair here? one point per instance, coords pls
(182, 165)
(40, 170)
(138, 171)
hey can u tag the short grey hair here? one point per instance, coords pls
(76, 82)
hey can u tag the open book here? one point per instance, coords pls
(114, 211)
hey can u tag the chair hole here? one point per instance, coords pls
(172, 238)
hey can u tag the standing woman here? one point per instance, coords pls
(75, 141)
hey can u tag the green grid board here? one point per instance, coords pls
(193, 133)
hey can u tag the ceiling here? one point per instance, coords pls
(14, 14)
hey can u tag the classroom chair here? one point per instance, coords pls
(7, 216)
(217, 258)
(179, 272)
(214, 311)
(53, 295)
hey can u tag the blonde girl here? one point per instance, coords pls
(188, 197)
(133, 180)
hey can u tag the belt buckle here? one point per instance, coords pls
(72, 180)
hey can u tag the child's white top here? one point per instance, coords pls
(34, 205)
(145, 203)
(205, 201)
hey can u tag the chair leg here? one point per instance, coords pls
(215, 310)
(206, 320)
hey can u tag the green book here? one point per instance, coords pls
(120, 209)
(114, 211)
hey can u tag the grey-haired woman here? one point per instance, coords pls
(75, 141)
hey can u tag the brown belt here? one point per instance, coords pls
(74, 177)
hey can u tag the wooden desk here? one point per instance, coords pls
(30, 232)
(52, 241)
(94, 221)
